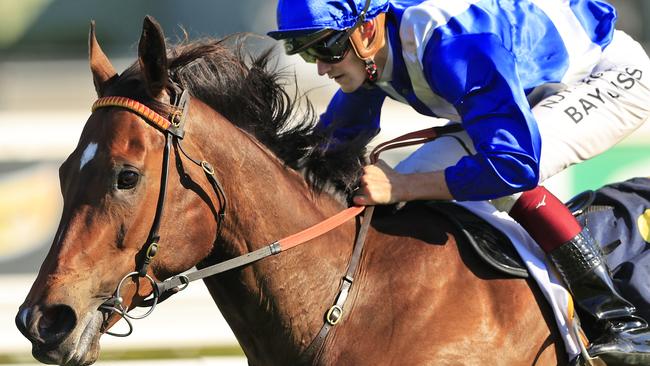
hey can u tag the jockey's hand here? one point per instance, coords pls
(379, 185)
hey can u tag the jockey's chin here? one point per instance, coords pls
(348, 84)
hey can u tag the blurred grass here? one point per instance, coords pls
(142, 354)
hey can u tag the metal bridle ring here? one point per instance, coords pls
(119, 298)
(113, 309)
(184, 282)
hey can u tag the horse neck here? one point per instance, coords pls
(266, 202)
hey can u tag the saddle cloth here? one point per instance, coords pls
(619, 218)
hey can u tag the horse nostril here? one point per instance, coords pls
(55, 323)
(47, 324)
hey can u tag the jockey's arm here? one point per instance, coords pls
(478, 76)
(485, 88)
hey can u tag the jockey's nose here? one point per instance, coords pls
(323, 67)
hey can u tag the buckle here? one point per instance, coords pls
(177, 117)
(207, 167)
(334, 315)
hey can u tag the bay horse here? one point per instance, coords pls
(420, 297)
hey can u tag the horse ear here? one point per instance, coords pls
(152, 55)
(101, 67)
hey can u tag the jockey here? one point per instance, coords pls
(538, 85)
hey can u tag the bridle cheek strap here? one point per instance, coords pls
(172, 127)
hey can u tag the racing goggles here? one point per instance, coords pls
(327, 46)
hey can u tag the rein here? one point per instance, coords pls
(173, 128)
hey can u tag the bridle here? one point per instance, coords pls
(173, 129)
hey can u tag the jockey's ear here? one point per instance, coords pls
(369, 38)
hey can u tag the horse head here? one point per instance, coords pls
(113, 187)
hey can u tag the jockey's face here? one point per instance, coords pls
(349, 73)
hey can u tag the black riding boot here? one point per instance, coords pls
(626, 337)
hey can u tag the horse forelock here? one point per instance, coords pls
(251, 94)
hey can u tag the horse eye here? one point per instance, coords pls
(127, 179)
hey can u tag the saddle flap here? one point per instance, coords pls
(491, 245)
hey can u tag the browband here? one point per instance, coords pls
(173, 124)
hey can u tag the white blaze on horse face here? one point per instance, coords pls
(88, 154)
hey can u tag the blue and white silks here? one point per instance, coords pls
(474, 61)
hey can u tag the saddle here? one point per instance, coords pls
(490, 244)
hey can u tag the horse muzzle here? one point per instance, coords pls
(58, 336)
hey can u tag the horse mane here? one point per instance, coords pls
(252, 95)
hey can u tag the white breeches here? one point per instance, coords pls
(595, 114)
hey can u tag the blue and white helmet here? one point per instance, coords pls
(297, 18)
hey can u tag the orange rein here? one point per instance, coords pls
(412, 138)
(320, 228)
